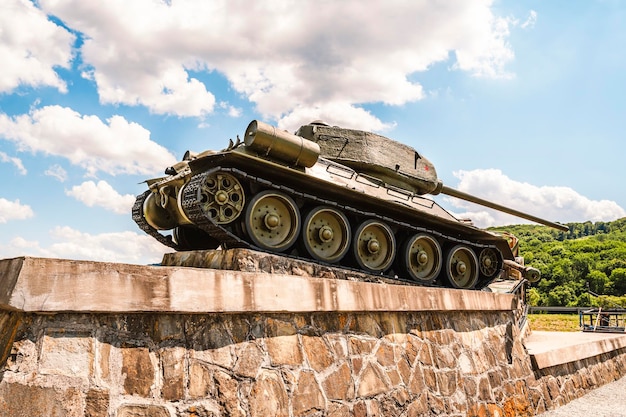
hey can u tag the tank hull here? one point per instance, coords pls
(327, 213)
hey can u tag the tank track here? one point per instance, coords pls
(139, 218)
(191, 206)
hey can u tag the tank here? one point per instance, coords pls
(335, 196)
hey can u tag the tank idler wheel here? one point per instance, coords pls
(374, 246)
(462, 267)
(272, 221)
(221, 197)
(488, 261)
(156, 216)
(422, 258)
(326, 234)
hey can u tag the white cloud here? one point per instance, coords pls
(126, 247)
(168, 91)
(288, 57)
(335, 114)
(19, 246)
(121, 247)
(29, 57)
(232, 110)
(530, 21)
(557, 204)
(102, 195)
(116, 147)
(56, 171)
(15, 161)
(14, 210)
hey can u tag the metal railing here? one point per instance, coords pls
(549, 310)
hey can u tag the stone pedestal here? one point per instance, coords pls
(100, 339)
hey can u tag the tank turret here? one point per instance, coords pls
(329, 195)
(393, 162)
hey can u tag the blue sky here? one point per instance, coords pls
(517, 102)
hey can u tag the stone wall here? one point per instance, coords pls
(467, 359)
(565, 382)
(359, 364)
(323, 364)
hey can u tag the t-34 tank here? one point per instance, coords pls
(331, 195)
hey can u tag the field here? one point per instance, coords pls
(554, 322)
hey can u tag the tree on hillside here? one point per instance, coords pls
(618, 281)
(589, 257)
(599, 283)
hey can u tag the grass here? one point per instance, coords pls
(554, 322)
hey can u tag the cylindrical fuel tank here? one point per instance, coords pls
(281, 145)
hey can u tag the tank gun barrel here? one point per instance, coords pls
(468, 197)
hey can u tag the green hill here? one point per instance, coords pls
(591, 256)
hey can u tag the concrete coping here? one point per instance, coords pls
(58, 285)
(548, 349)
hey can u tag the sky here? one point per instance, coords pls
(521, 103)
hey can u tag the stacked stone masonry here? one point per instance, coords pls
(112, 340)
(320, 364)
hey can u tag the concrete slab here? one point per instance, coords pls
(247, 260)
(556, 348)
(54, 285)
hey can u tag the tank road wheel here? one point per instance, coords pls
(488, 261)
(462, 267)
(272, 221)
(422, 258)
(374, 246)
(326, 234)
(221, 197)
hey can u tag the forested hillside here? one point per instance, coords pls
(591, 256)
